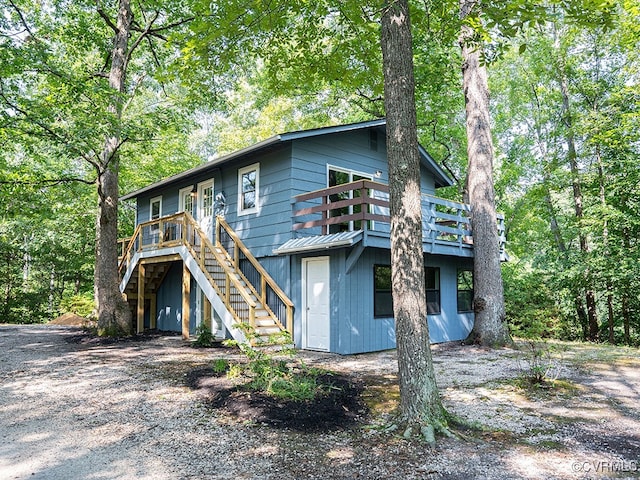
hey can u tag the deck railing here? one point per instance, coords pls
(182, 230)
(265, 288)
(364, 205)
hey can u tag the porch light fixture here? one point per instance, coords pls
(378, 173)
(194, 191)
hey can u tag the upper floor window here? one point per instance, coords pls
(465, 290)
(248, 189)
(185, 201)
(155, 208)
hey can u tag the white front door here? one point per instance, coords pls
(205, 207)
(315, 304)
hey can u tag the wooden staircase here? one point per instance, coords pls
(221, 269)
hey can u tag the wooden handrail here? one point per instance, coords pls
(265, 278)
(444, 221)
(185, 221)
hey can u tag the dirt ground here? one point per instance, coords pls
(76, 407)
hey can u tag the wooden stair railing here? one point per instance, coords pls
(271, 296)
(221, 271)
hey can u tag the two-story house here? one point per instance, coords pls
(293, 233)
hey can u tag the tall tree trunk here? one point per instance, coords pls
(626, 311)
(490, 327)
(572, 158)
(114, 315)
(419, 399)
(626, 318)
(605, 240)
(562, 248)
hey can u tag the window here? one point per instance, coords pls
(186, 200)
(339, 177)
(155, 208)
(465, 291)
(248, 189)
(205, 200)
(432, 287)
(382, 301)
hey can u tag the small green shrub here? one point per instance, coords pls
(267, 372)
(220, 365)
(541, 368)
(204, 336)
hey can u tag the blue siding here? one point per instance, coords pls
(353, 325)
(169, 300)
(287, 170)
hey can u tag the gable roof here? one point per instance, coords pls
(442, 179)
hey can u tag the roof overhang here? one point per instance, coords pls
(319, 242)
(441, 178)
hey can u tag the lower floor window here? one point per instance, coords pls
(432, 287)
(383, 301)
(465, 290)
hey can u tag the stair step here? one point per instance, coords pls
(266, 331)
(264, 322)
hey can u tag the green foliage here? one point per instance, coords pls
(80, 304)
(204, 336)
(531, 305)
(220, 365)
(274, 372)
(541, 370)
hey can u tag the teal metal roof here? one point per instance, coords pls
(319, 242)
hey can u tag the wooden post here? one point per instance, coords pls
(325, 215)
(207, 313)
(153, 314)
(186, 298)
(140, 310)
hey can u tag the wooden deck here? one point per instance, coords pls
(364, 205)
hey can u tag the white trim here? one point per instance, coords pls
(206, 223)
(181, 194)
(351, 173)
(151, 202)
(241, 172)
(305, 320)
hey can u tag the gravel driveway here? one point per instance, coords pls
(78, 410)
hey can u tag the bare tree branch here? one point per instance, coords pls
(105, 17)
(49, 181)
(22, 19)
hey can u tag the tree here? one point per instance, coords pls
(419, 399)
(87, 111)
(114, 314)
(490, 327)
(597, 65)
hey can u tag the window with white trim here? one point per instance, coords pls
(185, 200)
(155, 208)
(335, 177)
(248, 189)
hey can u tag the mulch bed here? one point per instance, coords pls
(340, 408)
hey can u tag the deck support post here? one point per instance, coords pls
(186, 297)
(140, 309)
(207, 313)
(153, 312)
